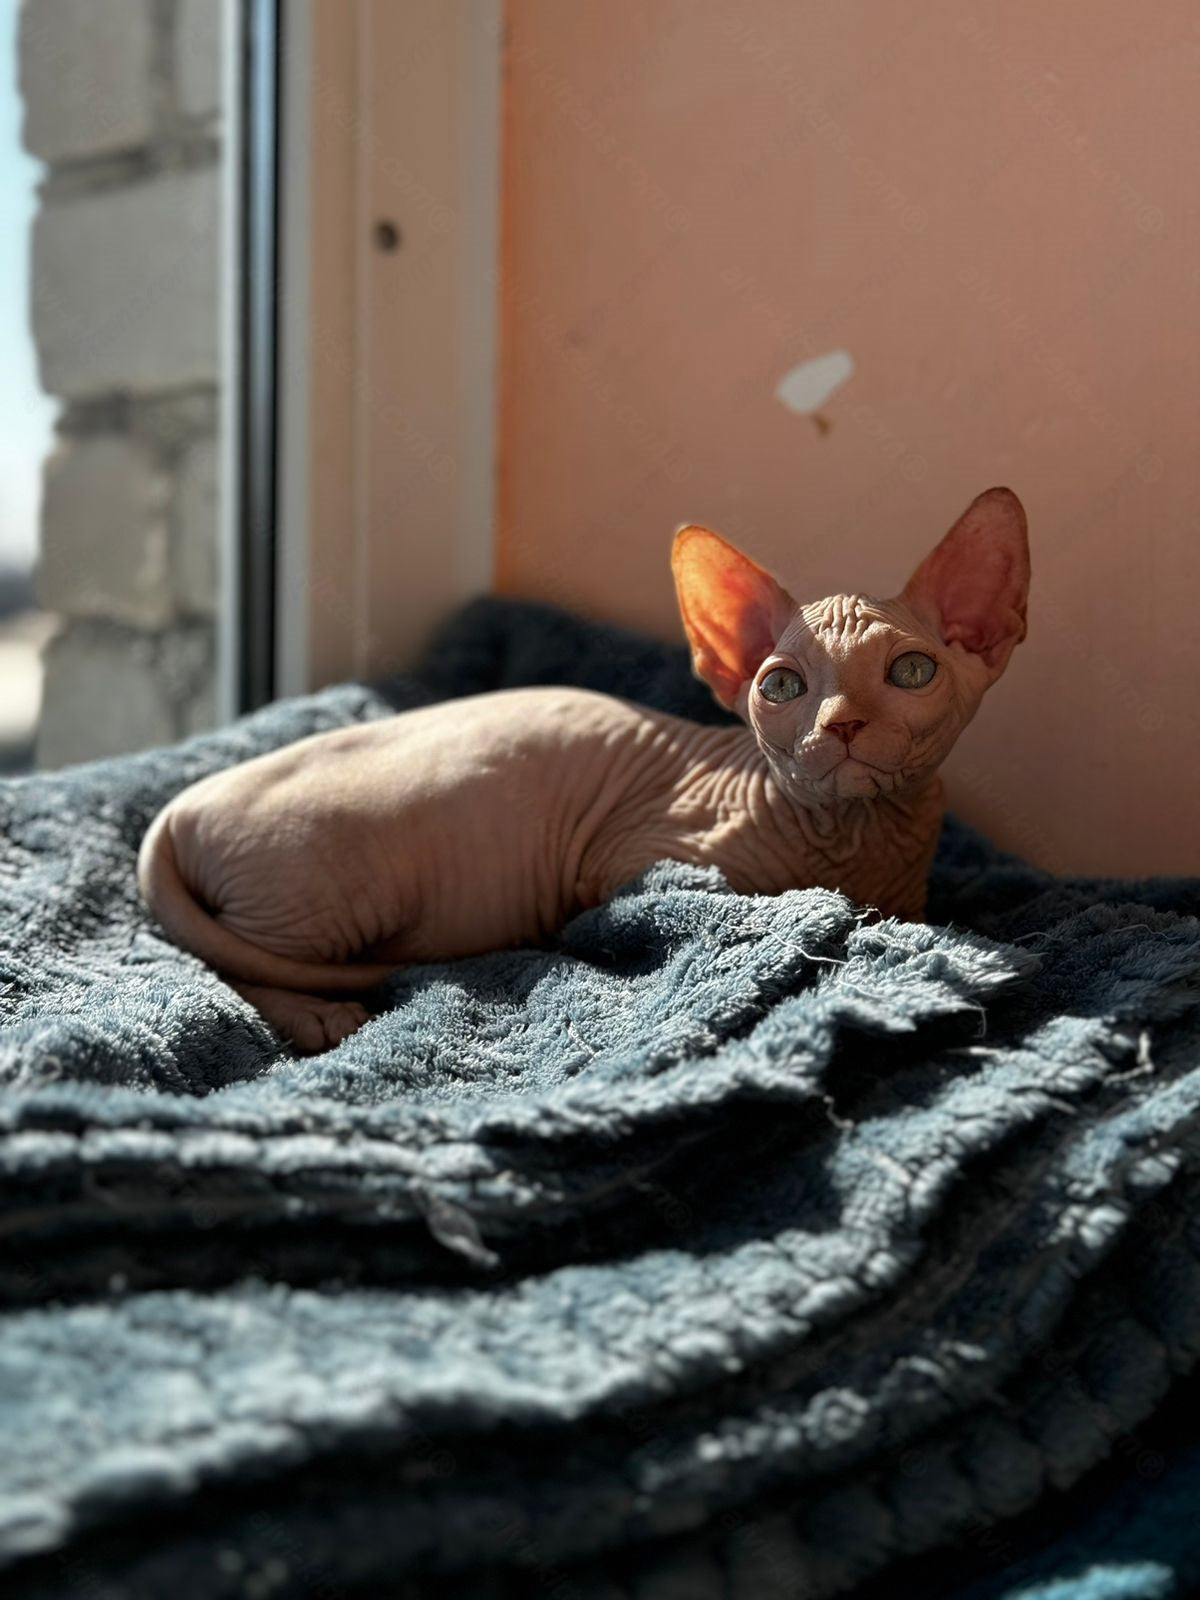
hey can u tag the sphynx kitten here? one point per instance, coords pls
(488, 821)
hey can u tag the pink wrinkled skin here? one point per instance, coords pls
(310, 873)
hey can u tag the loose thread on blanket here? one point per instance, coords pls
(981, 1012)
(842, 1124)
(580, 1040)
(453, 1227)
(832, 961)
(1143, 1059)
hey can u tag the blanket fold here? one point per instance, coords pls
(738, 1245)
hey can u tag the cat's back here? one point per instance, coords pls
(435, 750)
(462, 817)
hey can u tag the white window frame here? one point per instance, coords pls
(387, 360)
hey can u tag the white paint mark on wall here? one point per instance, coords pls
(807, 387)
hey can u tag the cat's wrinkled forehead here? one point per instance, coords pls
(964, 607)
(841, 621)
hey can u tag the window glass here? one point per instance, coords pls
(111, 189)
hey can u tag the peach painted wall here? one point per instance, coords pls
(994, 209)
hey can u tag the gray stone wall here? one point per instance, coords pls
(122, 104)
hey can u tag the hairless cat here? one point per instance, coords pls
(312, 872)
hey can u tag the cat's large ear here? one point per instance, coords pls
(733, 612)
(973, 588)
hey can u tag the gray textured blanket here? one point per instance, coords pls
(730, 1246)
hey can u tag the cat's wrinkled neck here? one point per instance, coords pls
(834, 819)
(832, 813)
(876, 849)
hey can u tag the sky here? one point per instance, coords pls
(26, 414)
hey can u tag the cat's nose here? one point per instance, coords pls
(845, 731)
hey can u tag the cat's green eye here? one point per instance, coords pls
(781, 684)
(912, 670)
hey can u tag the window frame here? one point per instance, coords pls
(250, 389)
(372, 549)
